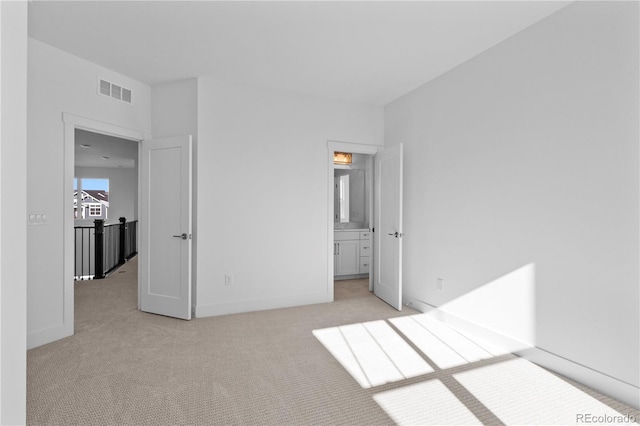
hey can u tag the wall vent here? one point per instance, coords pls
(114, 91)
(126, 95)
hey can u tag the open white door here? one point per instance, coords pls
(165, 231)
(388, 227)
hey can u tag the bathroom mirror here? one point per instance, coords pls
(349, 196)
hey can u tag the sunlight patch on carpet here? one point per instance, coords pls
(442, 344)
(372, 352)
(520, 392)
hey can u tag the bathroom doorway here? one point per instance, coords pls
(350, 233)
(353, 204)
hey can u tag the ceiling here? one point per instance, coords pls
(96, 150)
(365, 51)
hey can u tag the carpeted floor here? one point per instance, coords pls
(263, 368)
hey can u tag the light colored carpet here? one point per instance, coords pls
(263, 368)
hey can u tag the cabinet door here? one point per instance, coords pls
(348, 257)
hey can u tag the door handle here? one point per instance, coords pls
(183, 236)
(397, 234)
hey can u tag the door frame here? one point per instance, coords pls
(356, 148)
(71, 123)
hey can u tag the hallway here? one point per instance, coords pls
(98, 302)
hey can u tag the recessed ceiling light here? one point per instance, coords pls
(84, 145)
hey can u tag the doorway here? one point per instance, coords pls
(350, 242)
(92, 131)
(105, 201)
(352, 220)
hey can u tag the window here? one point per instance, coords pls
(90, 198)
(95, 210)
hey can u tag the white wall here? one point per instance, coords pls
(262, 193)
(525, 158)
(13, 208)
(59, 82)
(123, 191)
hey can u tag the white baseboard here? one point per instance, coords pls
(251, 305)
(350, 277)
(48, 335)
(603, 383)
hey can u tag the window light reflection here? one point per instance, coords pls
(372, 352)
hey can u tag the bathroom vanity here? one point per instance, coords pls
(352, 254)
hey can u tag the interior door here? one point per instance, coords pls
(165, 231)
(388, 227)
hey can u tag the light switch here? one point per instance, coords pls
(36, 218)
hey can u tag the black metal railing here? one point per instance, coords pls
(130, 247)
(101, 248)
(84, 253)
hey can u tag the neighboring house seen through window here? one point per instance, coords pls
(90, 198)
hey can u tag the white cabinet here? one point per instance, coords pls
(347, 260)
(365, 252)
(352, 253)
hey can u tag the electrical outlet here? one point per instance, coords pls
(440, 284)
(228, 279)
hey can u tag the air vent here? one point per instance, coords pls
(126, 95)
(114, 91)
(105, 88)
